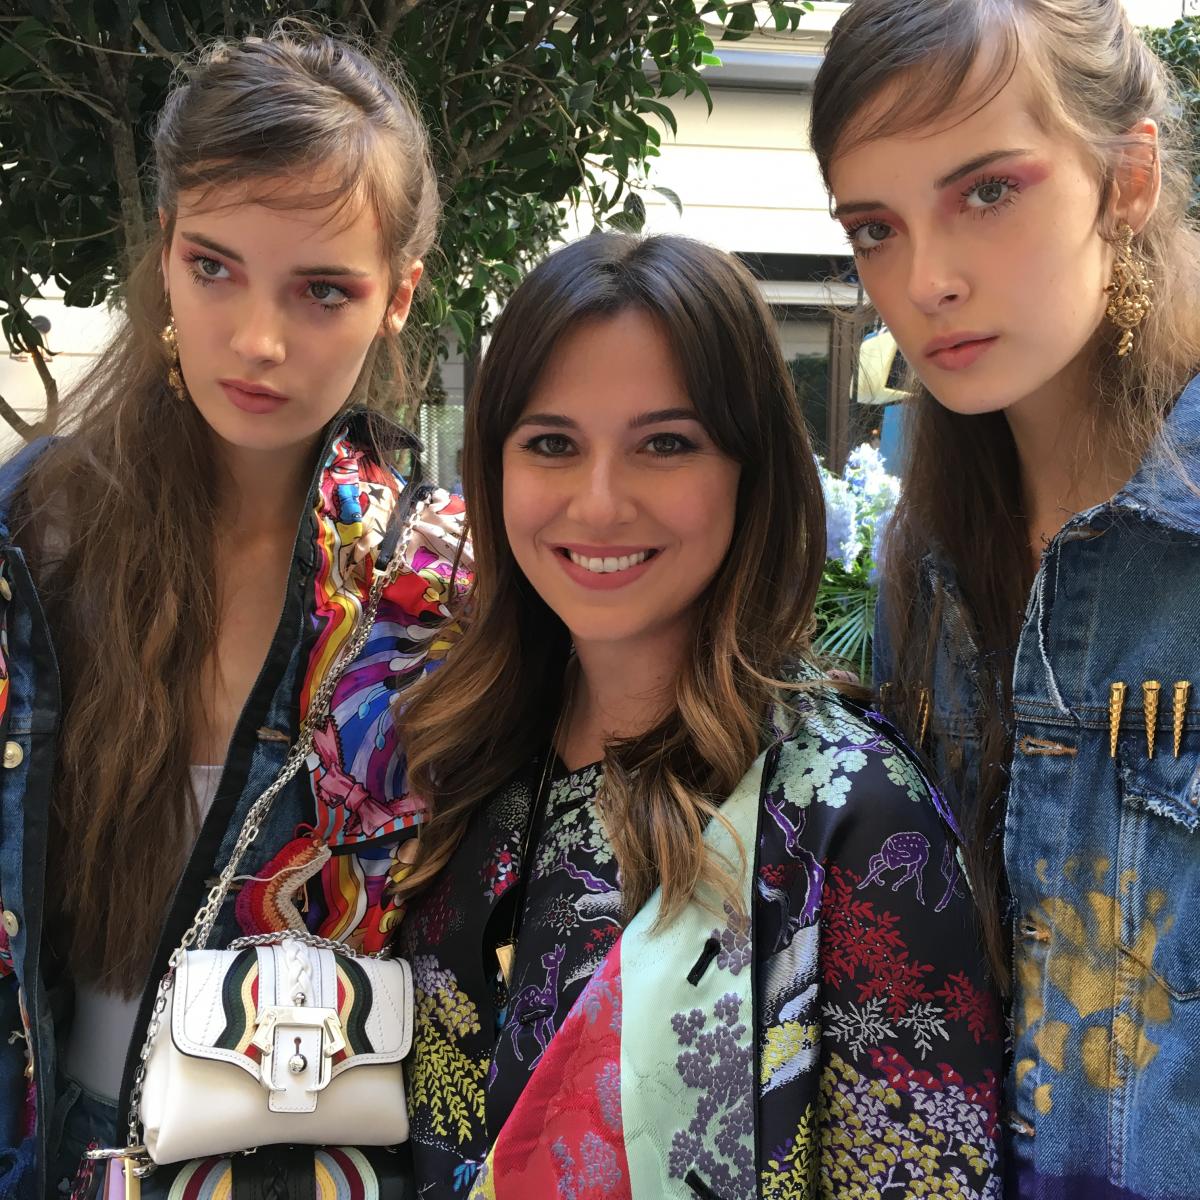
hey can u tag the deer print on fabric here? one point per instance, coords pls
(908, 852)
(534, 1005)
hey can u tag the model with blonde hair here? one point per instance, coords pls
(182, 569)
(1014, 178)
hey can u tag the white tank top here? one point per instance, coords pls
(103, 1024)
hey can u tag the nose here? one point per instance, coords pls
(935, 282)
(602, 497)
(258, 335)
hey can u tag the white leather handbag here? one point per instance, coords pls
(275, 1044)
(284, 1038)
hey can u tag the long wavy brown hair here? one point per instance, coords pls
(477, 722)
(1096, 80)
(118, 517)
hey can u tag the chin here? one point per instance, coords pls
(598, 632)
(257, 432)
(974, 397)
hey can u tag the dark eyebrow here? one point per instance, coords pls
(209, 244)
(663, 414)
(974, 165)
(555, 421)
(862, 206)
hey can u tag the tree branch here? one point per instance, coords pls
(65, 88)
(50, 420)
(393, 13)
(152, 41)
(18, 422)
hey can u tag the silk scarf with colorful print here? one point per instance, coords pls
(345, 863)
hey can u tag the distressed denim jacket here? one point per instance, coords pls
(1101, 837)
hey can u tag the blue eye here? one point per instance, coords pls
(205, 270)
(989, 194)
(868, 236)
(327, 295)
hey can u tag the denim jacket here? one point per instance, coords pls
(343, 817)
(1102, 836)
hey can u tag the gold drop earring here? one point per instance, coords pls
(174, 371)
(1129, 291)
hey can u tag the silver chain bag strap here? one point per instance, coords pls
(282, 1038)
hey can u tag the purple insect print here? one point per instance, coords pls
(531, 1000)
(906, 851)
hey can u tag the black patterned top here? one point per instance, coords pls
(878, 1039)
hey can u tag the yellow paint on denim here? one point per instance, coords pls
(1051, 1042)
(1112, 988)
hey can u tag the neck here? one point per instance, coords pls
(1067, 458)
(264, 489)
(621, 690)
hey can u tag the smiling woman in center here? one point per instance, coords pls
(655, 830)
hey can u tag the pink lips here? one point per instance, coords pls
(956, 351)
(252, 397)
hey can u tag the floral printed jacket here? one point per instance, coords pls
(844, 1044)
(337, 828)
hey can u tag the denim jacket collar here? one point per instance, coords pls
(1166, 486)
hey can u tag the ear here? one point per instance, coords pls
(397, 310)
(1138, 177)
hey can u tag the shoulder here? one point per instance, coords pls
(842, 764)
(13, 474)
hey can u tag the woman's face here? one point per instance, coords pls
(275, 310)
(619, 507)
(978, 242)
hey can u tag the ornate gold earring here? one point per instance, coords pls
(174, 373)
(1129, 291)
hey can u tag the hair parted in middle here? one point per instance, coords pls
(1094, 80)
(119, 518)
(491, 709)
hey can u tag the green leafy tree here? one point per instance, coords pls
(533, 106)
(1179, 47)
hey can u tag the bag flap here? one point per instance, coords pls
(222, 998)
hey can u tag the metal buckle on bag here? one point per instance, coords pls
(280, 1018)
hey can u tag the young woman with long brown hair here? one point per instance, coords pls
(1014, 177)
(183, 567)
(684, 921)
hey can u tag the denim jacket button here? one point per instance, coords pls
(11, 924)
(13, 755)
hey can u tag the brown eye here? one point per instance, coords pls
(550, 445)
(668, 444)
